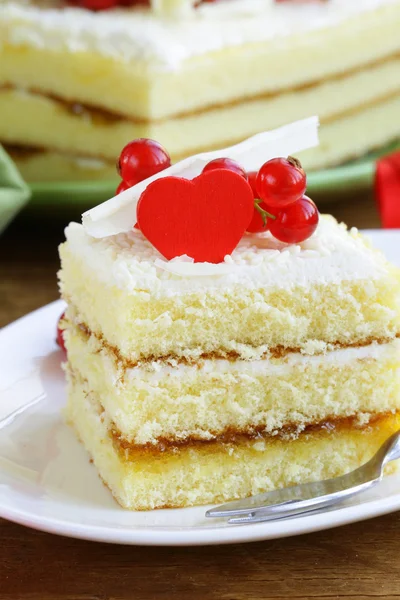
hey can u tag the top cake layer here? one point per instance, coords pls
(266, 297)
(130, 262)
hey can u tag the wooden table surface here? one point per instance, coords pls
(358, 562)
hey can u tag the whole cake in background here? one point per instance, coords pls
(213, 354)
(77, 84)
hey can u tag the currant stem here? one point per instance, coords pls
(294, 162)
(264, 214)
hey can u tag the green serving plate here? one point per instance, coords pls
(80, 195)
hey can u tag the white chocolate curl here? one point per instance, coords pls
(118, 215)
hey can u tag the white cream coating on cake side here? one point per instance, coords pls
(166, 43)
(332, 255)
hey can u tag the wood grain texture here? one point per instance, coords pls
(357, 562)
(354, 562)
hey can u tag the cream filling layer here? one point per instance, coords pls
(168, 401)
(157, 371)
(129, 35)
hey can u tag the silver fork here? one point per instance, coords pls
(307, 497)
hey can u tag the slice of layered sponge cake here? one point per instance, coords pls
(279, 366)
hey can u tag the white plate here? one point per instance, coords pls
(47, 482)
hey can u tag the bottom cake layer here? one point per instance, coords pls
(214, 472)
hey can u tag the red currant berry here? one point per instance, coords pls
(296, 222)
(281, 181)
(134, 2)
(225, 163)
(141, 159)
(95, 4)
(256, 224)
(122, 187)
(60, 334)
(252, 179)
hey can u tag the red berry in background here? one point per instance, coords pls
(225, 163)
(281, 181)
(141, 159)
(296, 222)
(94, 4)
(121, 188)
(134, 2)
(60, 334)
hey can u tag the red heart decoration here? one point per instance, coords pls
(204, 218)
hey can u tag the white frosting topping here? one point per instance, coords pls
(331, 255)
(165, 43)
(157, 371)
(118, 214)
